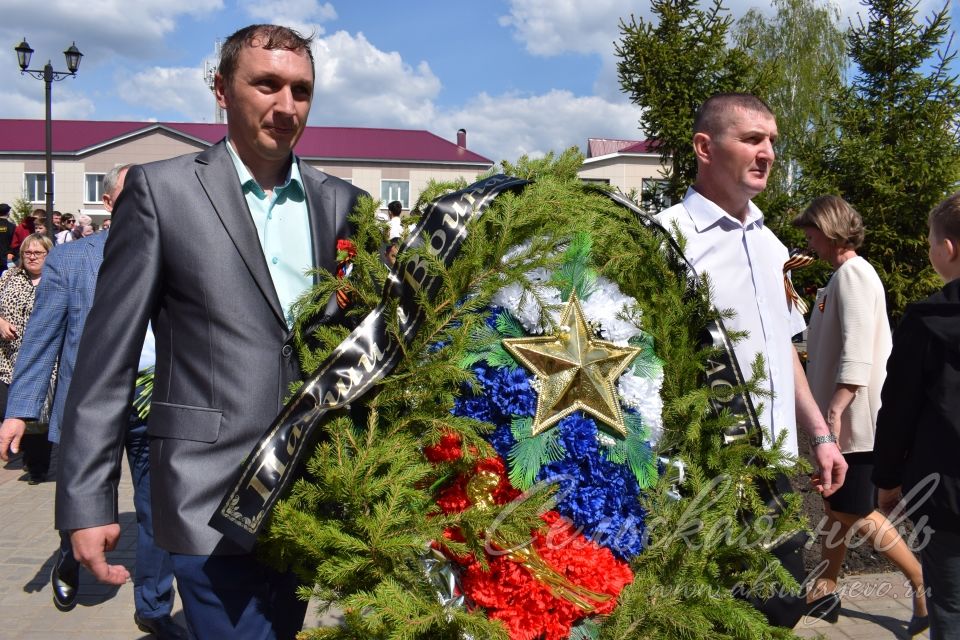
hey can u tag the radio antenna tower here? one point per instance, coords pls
(209, 72)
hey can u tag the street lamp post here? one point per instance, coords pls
(48, 75)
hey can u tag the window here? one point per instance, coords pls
(35, 187)
(653, 195)
(92, 187)
(391, 190)
(595, 180)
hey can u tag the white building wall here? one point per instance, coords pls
(625, 172)
(11, 181)
(68, 186)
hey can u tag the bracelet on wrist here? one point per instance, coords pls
(824, 439)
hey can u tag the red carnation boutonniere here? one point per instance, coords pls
(346, 251)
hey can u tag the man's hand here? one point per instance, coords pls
(7, 330)
(831, 466)
(10, 433)
(888, 499)
(90, 547)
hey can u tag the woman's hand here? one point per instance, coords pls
(7, 331)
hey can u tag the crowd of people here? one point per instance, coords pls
(879, 411)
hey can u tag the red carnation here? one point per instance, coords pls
(345, 250)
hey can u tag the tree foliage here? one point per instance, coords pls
(21, 209)
(893, 146)
(670, 66)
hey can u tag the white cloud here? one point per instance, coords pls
(306, 16)
(181, 90)
(103, 29)
(508, 126)
(23, 97)
(361, 85)
(358, 84)
(552, 27)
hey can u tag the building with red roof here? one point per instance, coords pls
(632, 166)
(394, 164)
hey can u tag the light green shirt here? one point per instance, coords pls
(283, 229)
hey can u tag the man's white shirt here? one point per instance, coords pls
(744, 264)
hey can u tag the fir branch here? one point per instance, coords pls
(575, 273)
(531, 452)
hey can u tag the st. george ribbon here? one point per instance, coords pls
(368, 354)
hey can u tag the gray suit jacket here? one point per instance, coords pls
(183, 251)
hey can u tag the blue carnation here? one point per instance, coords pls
(599, 496)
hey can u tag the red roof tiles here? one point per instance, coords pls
(71, 137)
(606, 146)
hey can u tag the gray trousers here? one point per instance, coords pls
(941, 577)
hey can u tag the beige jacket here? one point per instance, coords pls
(849, 342)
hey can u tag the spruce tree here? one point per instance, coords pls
(894, 149)
(670, 65)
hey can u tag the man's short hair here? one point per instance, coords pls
(395, 208)
(714, 114)
(267, 36)
(113, 177)
(836, 219)
(4, 209)
(944, 219)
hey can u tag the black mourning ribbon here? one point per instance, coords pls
(364, 358)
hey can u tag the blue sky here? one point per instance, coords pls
(522, 76)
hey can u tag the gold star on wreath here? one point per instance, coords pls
(576, 372)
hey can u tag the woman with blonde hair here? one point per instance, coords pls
(848, 345)
(17, 291)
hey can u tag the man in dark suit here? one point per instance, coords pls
(213, 248)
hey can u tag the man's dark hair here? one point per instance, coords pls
(267, 36)
(4, 209)
(712, 115)
(395, 208)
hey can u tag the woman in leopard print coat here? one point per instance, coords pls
(17, 292)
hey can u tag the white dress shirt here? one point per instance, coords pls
(744, 264)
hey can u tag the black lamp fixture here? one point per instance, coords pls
(73, 56)
(24, 52)
(48, 75)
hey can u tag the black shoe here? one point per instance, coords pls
(65, 580)
(826, 608)
(162, 628)
(918, 624)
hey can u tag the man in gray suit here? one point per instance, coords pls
(213, 248)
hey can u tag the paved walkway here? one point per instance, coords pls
(876, 606)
